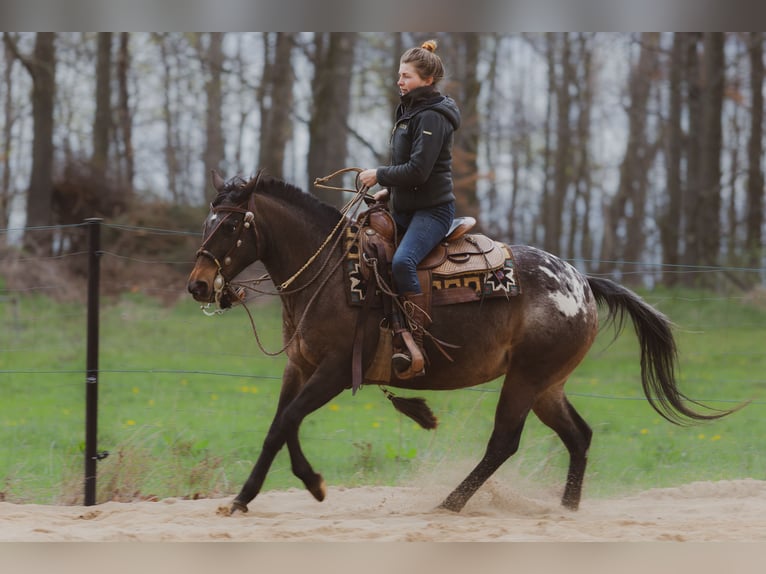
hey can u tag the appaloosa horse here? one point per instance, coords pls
(534, 340)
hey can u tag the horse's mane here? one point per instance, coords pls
(237, 190)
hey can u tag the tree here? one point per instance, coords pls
(555, 196)
(41, 65)
(670, 220)
(627, 209)
(466, 142)
(212, 59)
(275, 101)
(709, 211)
(580, 212)
(755, 187)
(125, 122)
(9, 115)
(331, 86)
(691, 190)
(102, 122)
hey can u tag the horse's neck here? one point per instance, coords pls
(289, 241)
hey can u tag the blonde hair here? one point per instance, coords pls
(425, 61)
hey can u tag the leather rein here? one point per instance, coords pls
(222, 284)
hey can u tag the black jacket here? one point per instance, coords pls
(420, 174)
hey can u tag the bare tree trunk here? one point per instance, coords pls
(562, 157)
(640, 153)
(276, 102)
(466, 147)
(9, 119)
(580, 213)
(691, 198)
(125, 124)
(546, 207)
(755, 187)
(102, 121)
(328, 132)
(670, 221)
(627, 207)
(711, 142)
(490, 141)
(171, 159)
(213, 156)
(41, 66)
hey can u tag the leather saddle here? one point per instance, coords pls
(458, 253)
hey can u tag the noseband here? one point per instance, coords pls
(221, 281)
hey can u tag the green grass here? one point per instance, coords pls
(185, 401)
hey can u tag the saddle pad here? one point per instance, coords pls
(451, 282)
(474, 286)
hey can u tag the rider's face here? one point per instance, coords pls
(409, 79)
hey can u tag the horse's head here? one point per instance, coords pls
(229, 242)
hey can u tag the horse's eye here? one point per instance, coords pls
(230, 227)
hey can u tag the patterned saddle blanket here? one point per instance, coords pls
(470, 268)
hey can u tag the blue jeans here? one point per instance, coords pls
(424, 229)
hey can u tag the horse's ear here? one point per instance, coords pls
(218, 181)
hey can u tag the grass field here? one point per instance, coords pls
(185, 401)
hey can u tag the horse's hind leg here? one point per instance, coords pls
(555, 411)
(510, 415)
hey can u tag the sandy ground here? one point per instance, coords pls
(733, 511)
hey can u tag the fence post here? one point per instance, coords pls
(91, 376)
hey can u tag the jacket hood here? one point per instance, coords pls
(427, 97)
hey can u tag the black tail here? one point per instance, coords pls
(658, 352)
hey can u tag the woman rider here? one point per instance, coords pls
(418, 181)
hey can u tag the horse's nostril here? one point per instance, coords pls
(197, 288)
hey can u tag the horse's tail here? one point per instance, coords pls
(658, 352)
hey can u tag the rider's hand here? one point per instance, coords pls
(369, 177)
(381, 196)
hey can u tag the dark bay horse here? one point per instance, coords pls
(534, 340)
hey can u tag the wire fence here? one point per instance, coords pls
(194, 396)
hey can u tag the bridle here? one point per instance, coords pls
(221, 283)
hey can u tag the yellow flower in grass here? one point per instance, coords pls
(644, 431)
(376, 425)
(334, 407)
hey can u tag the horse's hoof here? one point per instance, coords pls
(450, 506)
(319, 489)
(238, 506)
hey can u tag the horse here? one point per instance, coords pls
(534, 340)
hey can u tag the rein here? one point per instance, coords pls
(221, 284)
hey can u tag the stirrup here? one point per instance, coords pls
(401, 362)
(416, 360)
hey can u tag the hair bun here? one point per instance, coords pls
(429, 45)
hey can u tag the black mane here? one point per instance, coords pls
(237, 190)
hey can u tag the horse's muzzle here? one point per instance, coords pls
(200, 290)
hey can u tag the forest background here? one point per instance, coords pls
(634, 154)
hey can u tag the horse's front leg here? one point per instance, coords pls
(297, 400)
